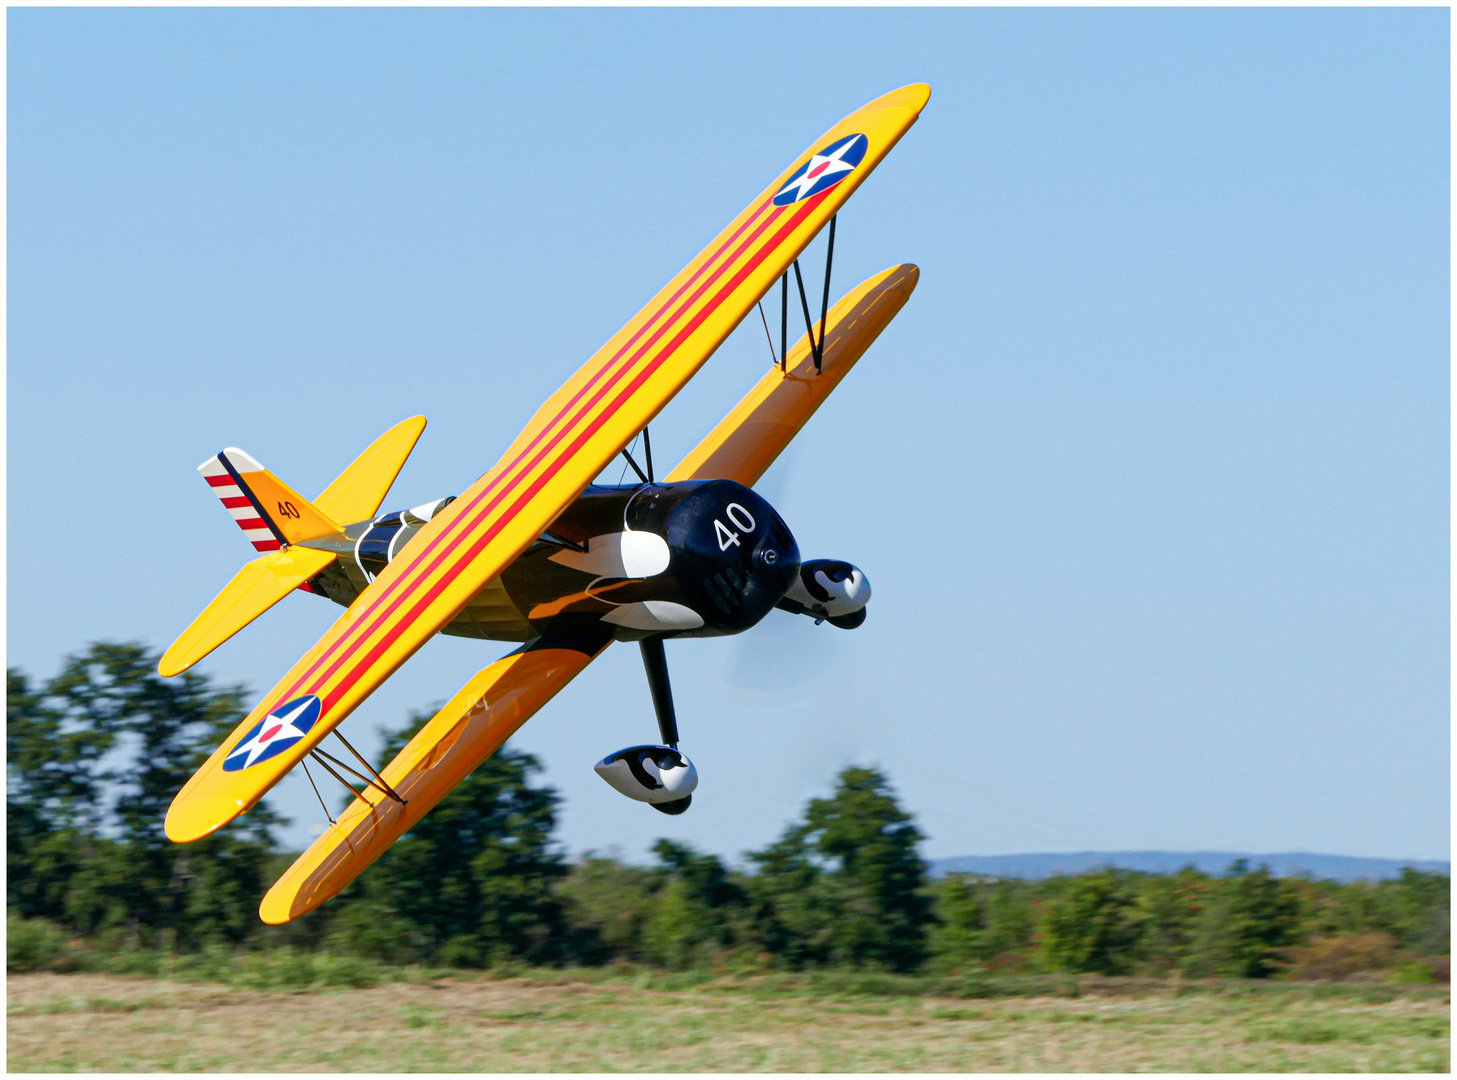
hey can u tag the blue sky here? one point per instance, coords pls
(1150, 476)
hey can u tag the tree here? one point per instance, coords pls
(1088, 926)
(705, 878)
(956, 941)
(1251, 916)
(1421, 911)
(95, 758)
(847, 885)
(693, 905)
(607, 906)
(1167, 911)
(51, 759)
(50, 795)
(472, 882)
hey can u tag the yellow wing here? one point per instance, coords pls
(466, 731)
(747, 440)
(474, 724)
(568, 442)
(254, 589)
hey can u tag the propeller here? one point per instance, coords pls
(782, 652)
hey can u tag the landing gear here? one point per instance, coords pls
(655, 662)
(661, 776)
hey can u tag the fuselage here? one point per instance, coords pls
(697, 558)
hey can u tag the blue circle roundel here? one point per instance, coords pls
(274, 734)
(824, 169)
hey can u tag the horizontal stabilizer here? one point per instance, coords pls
(270, 513)
(748, 439)
(467, 730)
(256, 588)
(360, 489)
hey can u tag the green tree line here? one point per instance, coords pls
(95, 755)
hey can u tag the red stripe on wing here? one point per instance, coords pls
(624, 395)
(501, 493)
(452, 534)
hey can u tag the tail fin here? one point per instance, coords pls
(273, 517)
(270, 513)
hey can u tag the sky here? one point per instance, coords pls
(1150, 476)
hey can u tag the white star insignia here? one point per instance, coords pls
(274, 727)
(820, 166)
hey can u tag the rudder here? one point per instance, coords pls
(270, 513)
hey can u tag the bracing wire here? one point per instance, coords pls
(631, 447)
(768, 336)
(317, 793)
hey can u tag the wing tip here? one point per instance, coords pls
(192, 819)
(171, 665)
(180, 834)
(277, 907)
(411, 424)
(912, 96)
(902, 275)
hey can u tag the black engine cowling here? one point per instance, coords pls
(732, 554)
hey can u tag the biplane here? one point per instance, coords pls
(534, 552)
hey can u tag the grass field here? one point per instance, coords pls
(90, 1022)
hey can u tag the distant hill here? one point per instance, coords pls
(1042, 865)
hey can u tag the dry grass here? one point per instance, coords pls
(114, 1024)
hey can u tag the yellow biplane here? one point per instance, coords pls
(533, 552)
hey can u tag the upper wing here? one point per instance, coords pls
(568, 442)
(747, 440)
(467, 730)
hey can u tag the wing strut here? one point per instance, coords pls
(816, 342)
(770, 337)
(378, 782)
(825, 299)
(305, 763)
(647, 447)
(784, 323)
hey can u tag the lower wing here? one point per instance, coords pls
(469, 729)
(747, 440)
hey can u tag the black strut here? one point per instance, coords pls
(655, 661)
(809, 326)
(825, 301)
(784, 322)
(640, 474)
